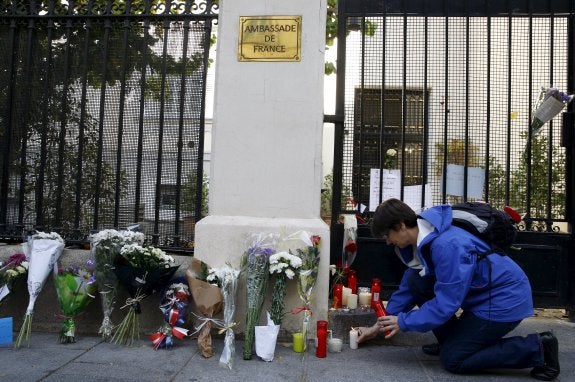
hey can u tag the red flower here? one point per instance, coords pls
(351, 246)
(315, 239)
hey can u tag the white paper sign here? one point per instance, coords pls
(390, 186)
(455, 179)
(412, 197)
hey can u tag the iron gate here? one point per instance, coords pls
(433, 105)
(102, 117)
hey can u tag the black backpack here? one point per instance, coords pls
(494, 226)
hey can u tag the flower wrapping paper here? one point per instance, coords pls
(209, 301)
(76, 288)
(43, 251)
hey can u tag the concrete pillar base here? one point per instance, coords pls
(227, 236)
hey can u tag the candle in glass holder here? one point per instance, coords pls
(364, 297)
(334, 345)
(352, 301)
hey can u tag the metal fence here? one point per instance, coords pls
(437, 102)
(102, 117)
(434, 104)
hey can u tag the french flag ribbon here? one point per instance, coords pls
(165, 340)
(172, 313)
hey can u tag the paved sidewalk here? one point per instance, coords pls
(90, 359)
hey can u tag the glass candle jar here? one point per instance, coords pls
(364, 297)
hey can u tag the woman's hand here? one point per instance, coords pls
(365, 333)
(388, 326)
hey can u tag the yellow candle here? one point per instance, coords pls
(298, 342)
(352, 301)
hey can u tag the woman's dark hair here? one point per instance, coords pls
(389, 215)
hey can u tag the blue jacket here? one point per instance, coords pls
(462, 280)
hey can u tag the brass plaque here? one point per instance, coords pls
(269, 38)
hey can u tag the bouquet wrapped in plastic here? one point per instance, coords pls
(310, 257)
(208, 300)
(43, 251)
(349, 240)
(76, 288)
(11, 270)
(227, 279)
(283, 265)
(106, 246)
(256, 265)
(141, 271)
(174, 306)
(551, 101)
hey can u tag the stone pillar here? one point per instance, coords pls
(266, 164)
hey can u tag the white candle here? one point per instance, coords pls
(352, 301)
(365, 298)
(334, 345)
(353, 334)
(345, 293)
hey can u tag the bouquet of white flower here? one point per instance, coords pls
(284, 266)
(208, 300)
(11, 270)
(43, 251)
(227, 279)
(142, 271)
(106, 245)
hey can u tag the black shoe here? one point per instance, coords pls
(551, 369)
(431, 349)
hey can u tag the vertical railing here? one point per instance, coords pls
(80, 76)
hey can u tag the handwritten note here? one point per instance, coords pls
(456, 177)
(390, 186)
(412, 197)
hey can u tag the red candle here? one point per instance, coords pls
(379, 309)
(375, 291)
(337, 295)
(321, 350)
(352, 281)
(380, 312)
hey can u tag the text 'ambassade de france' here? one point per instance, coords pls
(270, 38)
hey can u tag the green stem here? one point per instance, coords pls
(278, 296)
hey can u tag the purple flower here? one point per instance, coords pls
(16, 259)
